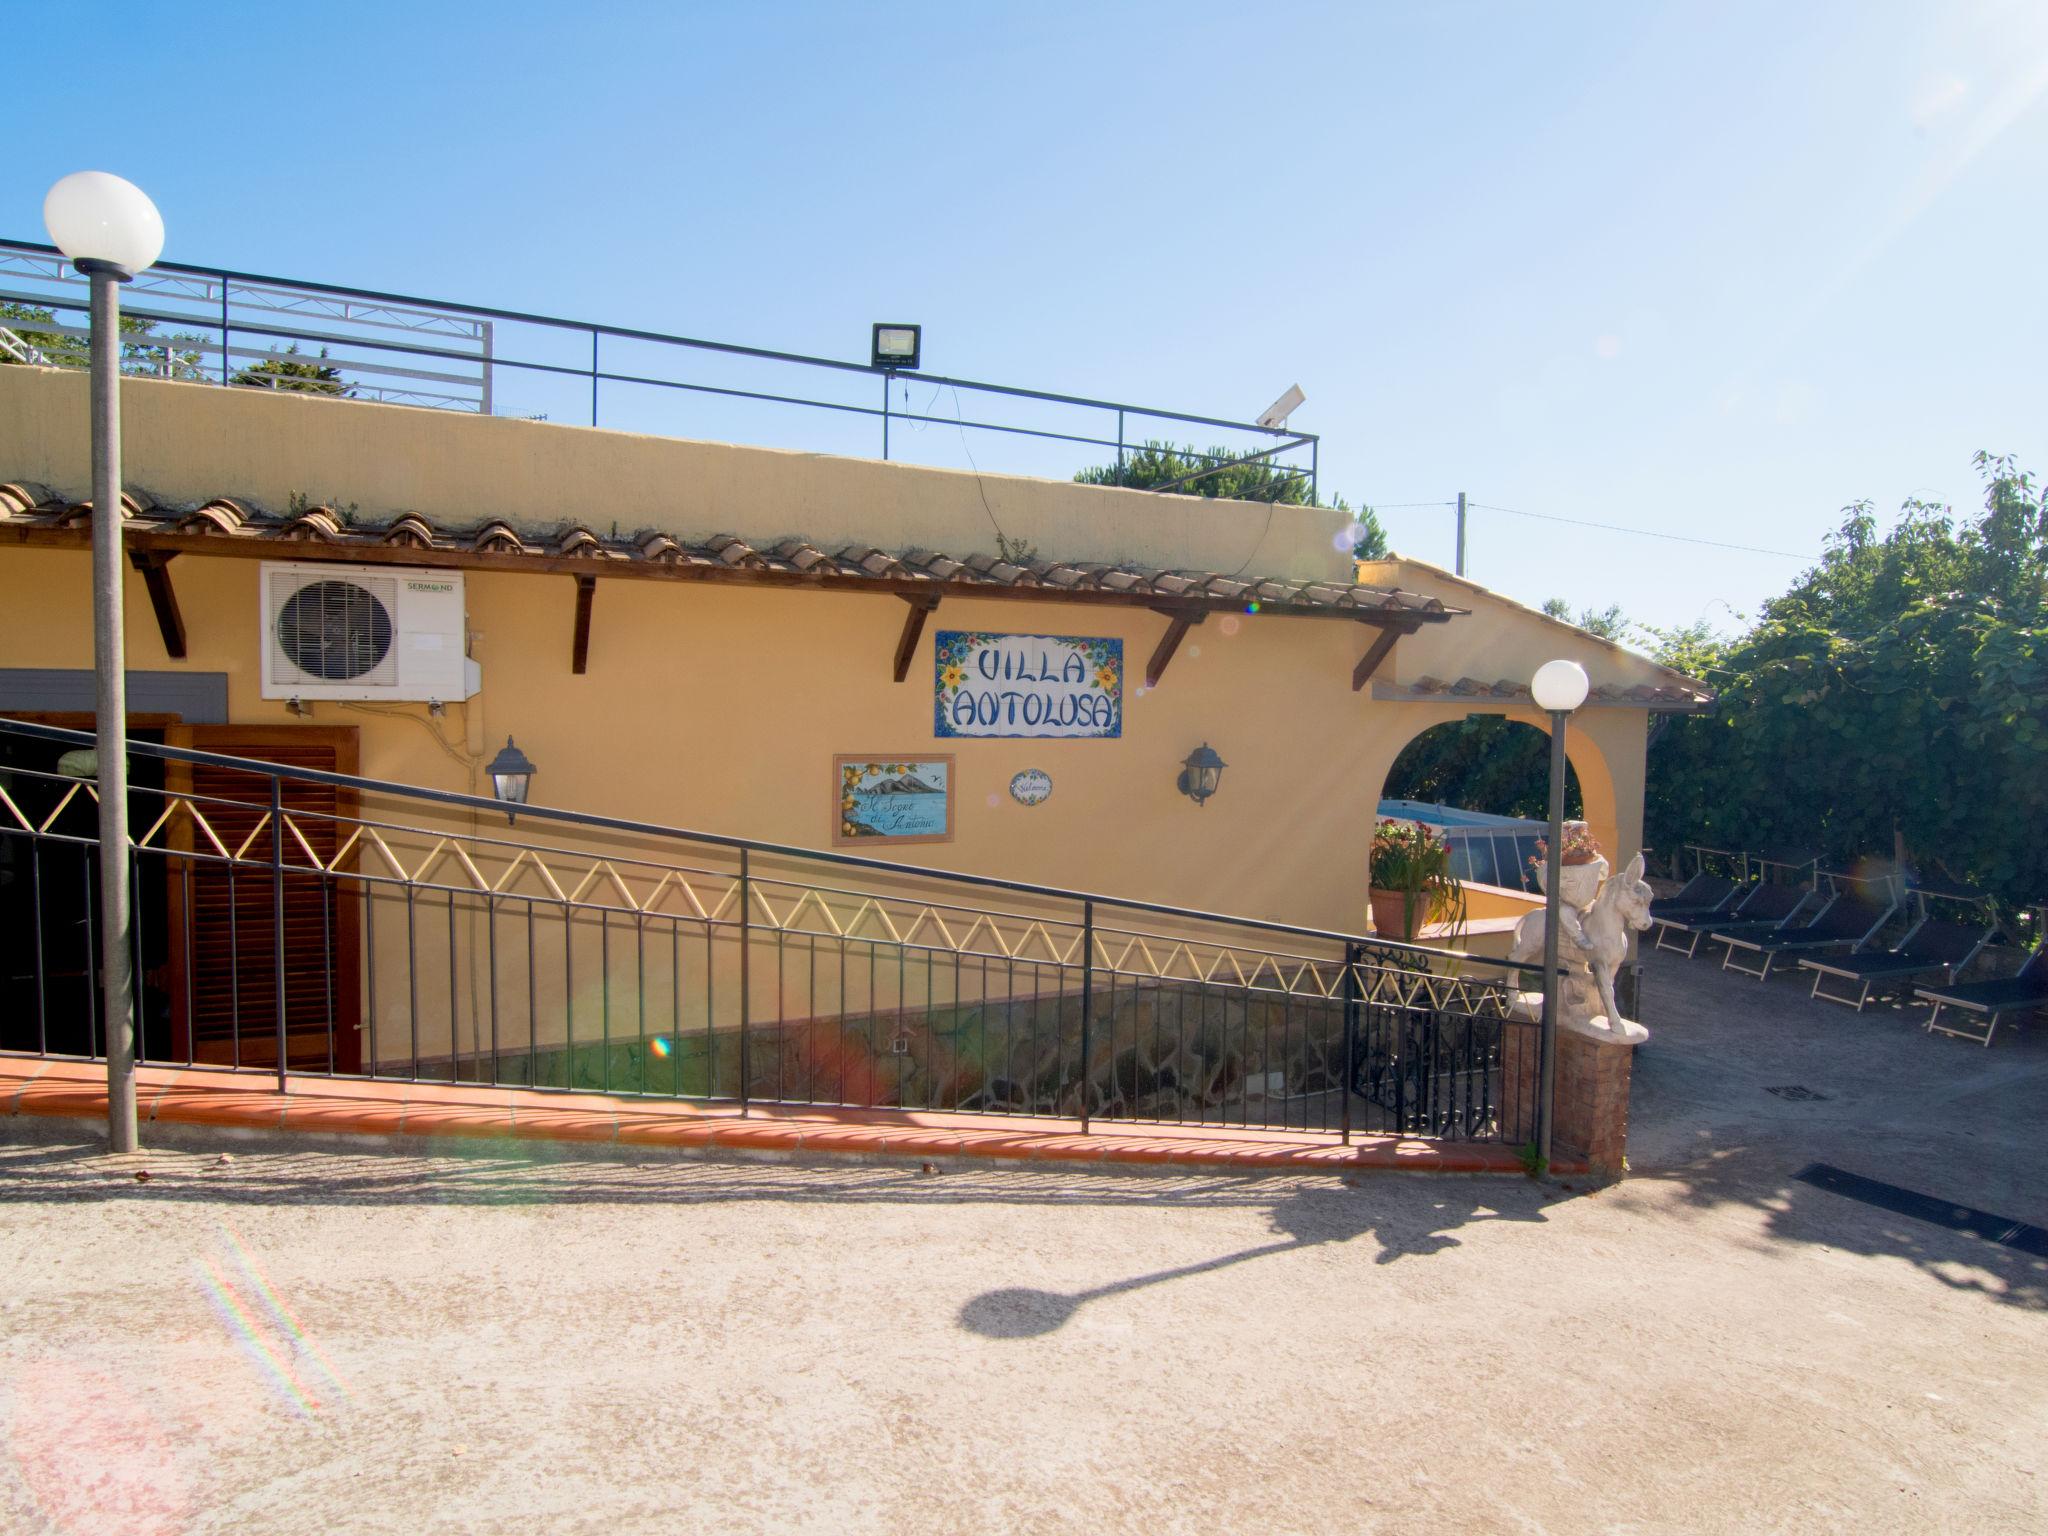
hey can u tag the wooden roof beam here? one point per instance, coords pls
(1381, 648)
(586, 595)
(921, 606)
(1179, 621)
(163, 597)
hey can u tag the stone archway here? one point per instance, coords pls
(1592, 741)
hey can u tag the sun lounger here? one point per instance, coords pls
(1701, 893)
(1765, 908)
(1682, 922)
(1990, 1000)
(1850, 920)
(1929, 949)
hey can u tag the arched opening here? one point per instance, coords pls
(1485, 779)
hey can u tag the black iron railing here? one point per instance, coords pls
(309, 922)
(217, 326)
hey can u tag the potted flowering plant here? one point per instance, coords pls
(1583, 864)
(1412, 883)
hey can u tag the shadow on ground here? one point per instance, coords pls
(1305, 1220)
(1408, 1217)
(1881, 1098)
(1874, 1093)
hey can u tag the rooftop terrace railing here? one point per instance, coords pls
(242, 329)
(306, 922)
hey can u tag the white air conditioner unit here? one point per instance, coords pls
(364, 632)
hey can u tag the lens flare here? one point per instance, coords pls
(1252, 606)
(660, 1046)
(242, 1327)
(1230, 623)
(267, 1333)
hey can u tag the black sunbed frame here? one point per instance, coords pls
(1927, 947)
(1845, 922)
(1990, 1000)
(1697, 920)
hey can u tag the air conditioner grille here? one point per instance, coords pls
(335, 631)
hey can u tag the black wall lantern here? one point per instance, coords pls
(511, 774)
(1201, 773)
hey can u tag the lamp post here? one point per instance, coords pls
(1559, 687)
(111, 231)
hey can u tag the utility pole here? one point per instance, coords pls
(1461, 533)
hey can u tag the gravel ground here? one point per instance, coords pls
(485, 1338)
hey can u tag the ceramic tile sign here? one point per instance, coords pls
(1031, 786)
(1027, 685)
(900, 800)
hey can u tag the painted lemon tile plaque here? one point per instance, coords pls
(893, 800)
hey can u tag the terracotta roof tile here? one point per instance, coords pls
(221, 524)
(318, 525)
(411, 529)
(497, 537)
(1661, 696)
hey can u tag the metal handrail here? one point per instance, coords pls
(1281, 439)
(459, 800)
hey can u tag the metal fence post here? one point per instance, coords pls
(885, 417)
(277, 914)
(593, 375)
(1351, 960)
(1397, 1057)
(1087, 1002)
(746, 1049)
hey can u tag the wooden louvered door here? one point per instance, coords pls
(224, 967)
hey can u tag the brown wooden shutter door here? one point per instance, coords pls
(223, 958)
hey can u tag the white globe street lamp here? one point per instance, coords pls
(97, 218)
(111, 231)
(1558, 687)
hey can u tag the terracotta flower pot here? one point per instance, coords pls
(1390, 918)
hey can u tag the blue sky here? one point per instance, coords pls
(1708, 269)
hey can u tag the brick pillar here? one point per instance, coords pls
(1592, 1099)
(1592, 1093)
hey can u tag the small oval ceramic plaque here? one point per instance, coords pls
(1031, 786)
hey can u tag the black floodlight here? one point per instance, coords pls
(897, 347)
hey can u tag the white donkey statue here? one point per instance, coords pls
(1591, 945)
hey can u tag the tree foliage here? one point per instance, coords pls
(1900, 684)
(1158, 463)
(1483, 763)
(31, 334)
(1609, 623)
(287, 370)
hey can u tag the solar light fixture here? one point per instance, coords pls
(897, 347)
(1200, 773)
(511, 774)
(1276, 414)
